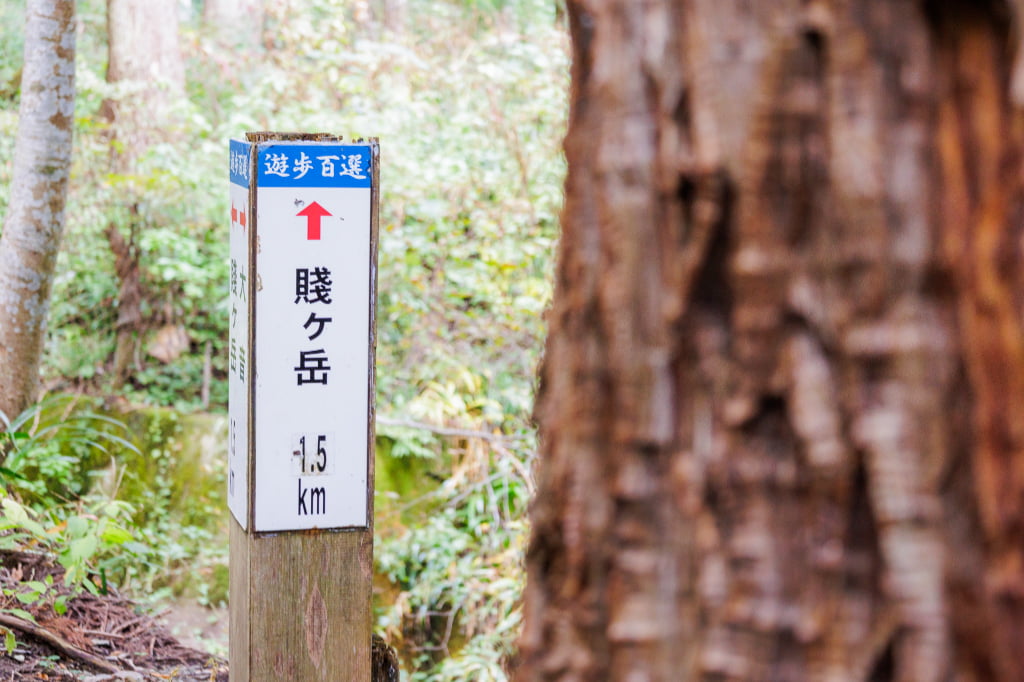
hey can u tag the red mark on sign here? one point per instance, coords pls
(237, 216)
(313, 213)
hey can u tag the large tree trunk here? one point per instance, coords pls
(782, 401)
(35, 213)
(145, 60)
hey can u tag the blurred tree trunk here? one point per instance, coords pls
(782, 400)
(145, 61)
(394, 12)
(143, 58)
(35, 212)
(237, 22)
(389, 15)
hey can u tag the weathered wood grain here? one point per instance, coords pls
(300, 605)
(239, 586)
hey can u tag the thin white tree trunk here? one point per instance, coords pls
(35, 214)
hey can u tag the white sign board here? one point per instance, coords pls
(312, 335)
(240, 170)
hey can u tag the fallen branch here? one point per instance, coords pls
(57, 642)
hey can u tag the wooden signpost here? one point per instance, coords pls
(304, 214)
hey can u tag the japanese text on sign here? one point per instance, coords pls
(328, 166)
(312, 354)
(309, 165)
(239, 379)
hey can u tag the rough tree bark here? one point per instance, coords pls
(143, 58)
(782, 400)
(35, 213)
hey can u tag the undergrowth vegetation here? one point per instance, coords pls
(468, 98)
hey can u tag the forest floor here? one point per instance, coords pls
(198, 627)
(101, 638)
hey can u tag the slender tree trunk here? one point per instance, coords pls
(145, 60)
(393, 13)
(782, 400)
(35, 213)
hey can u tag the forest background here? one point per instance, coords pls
(121, 473)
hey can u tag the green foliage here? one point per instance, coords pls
(41, 509)
(468, 101)
(12, 22)
(46, 444)
(91, 541)
(451, 601)
(130, 499)
(468, 98)
(181, 503)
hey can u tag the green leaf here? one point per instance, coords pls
(136, 548)
(35, 528)
(10, 642)
(115, 535)
(77, 527)
(21, 613)
(82, 549)
(14, 511)
(9, 473)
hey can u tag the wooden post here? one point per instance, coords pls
(301, 482)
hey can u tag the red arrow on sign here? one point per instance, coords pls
(313, 213)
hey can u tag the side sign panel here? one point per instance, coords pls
(239, 372)
(312, 335)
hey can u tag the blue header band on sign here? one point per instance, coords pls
(238, 164)
(314, 165)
